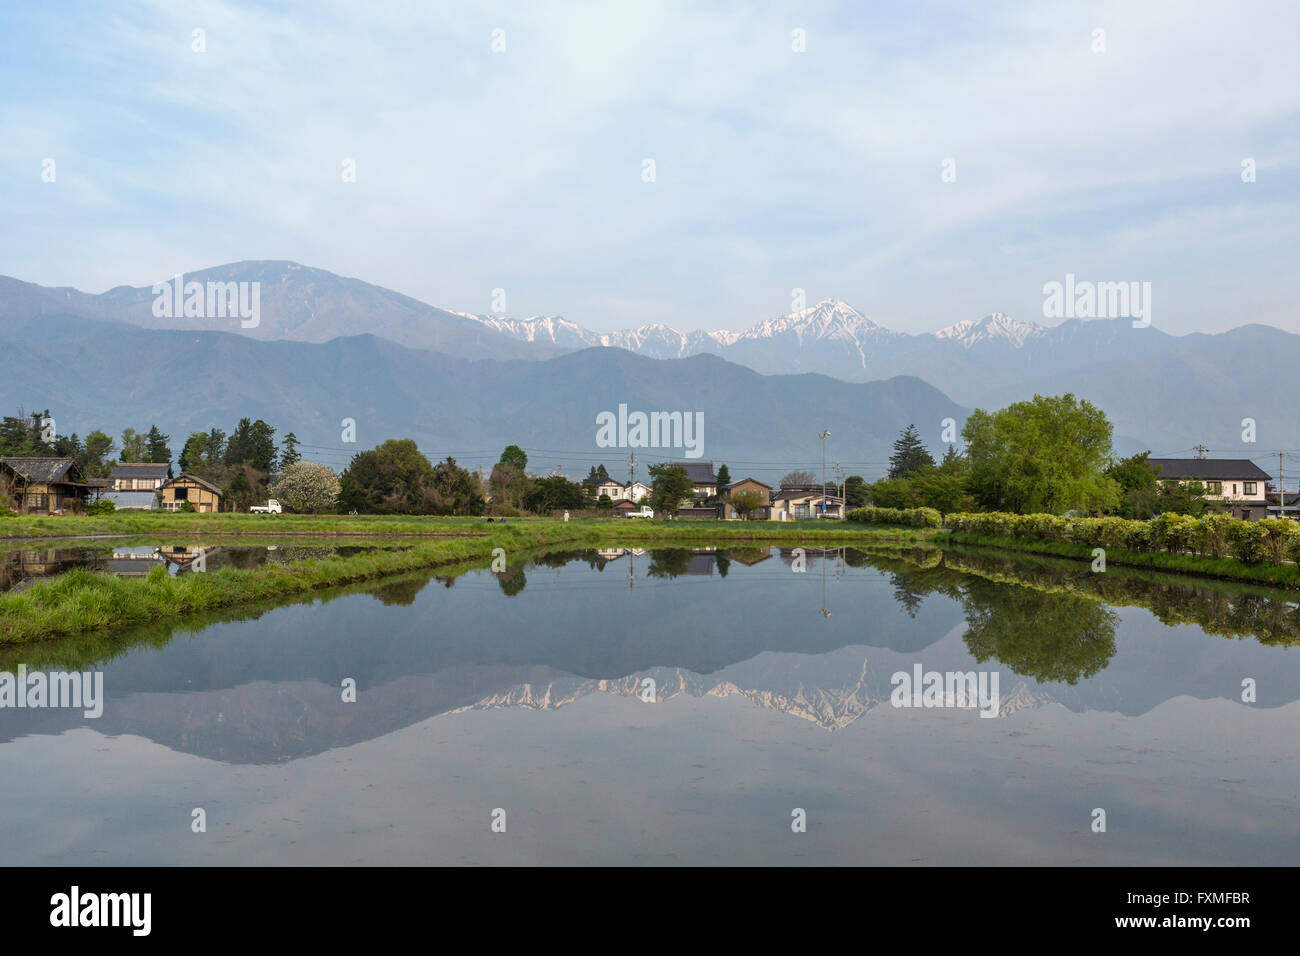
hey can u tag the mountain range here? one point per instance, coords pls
(1162, 391)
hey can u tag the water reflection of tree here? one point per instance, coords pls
(400, 593)
(1040, 634)
(512, 580)
(669, 562)
(906, 594)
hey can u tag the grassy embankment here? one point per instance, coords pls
(1276, 575)
(83, 601)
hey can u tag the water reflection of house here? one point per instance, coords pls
(749, 556)
(19, 568)
(184, 555)
(132, 562)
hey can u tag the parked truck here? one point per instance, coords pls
(272, 507)
(643, 512)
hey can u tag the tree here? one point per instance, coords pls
(945, 491)
(724, 477)
(194, 455)
(954, 462)
(1041, 455)
(910, 454)
(95, 454)
(554, 493)
(455, 491)
(597, 475)
(747, 502)
(156, 447)
(216, 450)
(893, 493)
(514, 456)
(261, 446)
(308, 488)
(669, 487)
(855, 491)
(133, 446)
(290, 455)
(508, 485)
(389, 479)
(799, 479)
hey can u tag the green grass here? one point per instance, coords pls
(82, 601)
(1285, 575)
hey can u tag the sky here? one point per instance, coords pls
(504, 147)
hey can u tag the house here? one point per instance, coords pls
(763, 512)
(624, 507)
(635, 491)
(795, 504)
(203, 495)
(703, 480)
(42, 486)
(1236, 483)
(610, 487)
(138, 476)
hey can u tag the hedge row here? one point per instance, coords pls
(916, 517)
(1270, 541)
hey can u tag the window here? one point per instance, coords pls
(182, 494)
(38, 501)
(1214, 487)
(1249, 487)
(1234, 487)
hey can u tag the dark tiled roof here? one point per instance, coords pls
(138, 469)
(700, 472)
(1209, 469)
(41, 469)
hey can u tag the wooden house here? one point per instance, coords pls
(42, 486)
(203, 495)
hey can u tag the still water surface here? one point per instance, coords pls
(523, 692)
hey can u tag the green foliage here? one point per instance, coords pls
(855, 491)
(910, 454)
(156, 449)
(893, 493)
(1044, 455)
(514, 456)
(554, 493)
(289, 454)
(669, 487)
(187, 507)
(1272, 540)
(747, 502)
(723, 476)
(104, 507)
(913, 517)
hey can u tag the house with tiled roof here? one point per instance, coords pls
(42, 486)
(1236, 483)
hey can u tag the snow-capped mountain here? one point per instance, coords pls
(994, 327)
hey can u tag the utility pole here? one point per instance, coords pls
(823, 436)
(1200, 452)
(1281, 488)
(631, 472)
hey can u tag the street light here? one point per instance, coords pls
(823, 436)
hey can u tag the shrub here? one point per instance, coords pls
(1211, 535)
(915, 517)
(104, 507)
(187, 507)
(1245, 541)
(1278, 535)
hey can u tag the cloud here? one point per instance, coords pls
(774, 169)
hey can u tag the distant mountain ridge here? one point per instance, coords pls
(1162, 391)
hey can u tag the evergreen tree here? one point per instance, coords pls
(724, 476)
(910, 454)
(289, 455)
(156, 447)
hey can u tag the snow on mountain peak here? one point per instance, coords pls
(994, 327)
